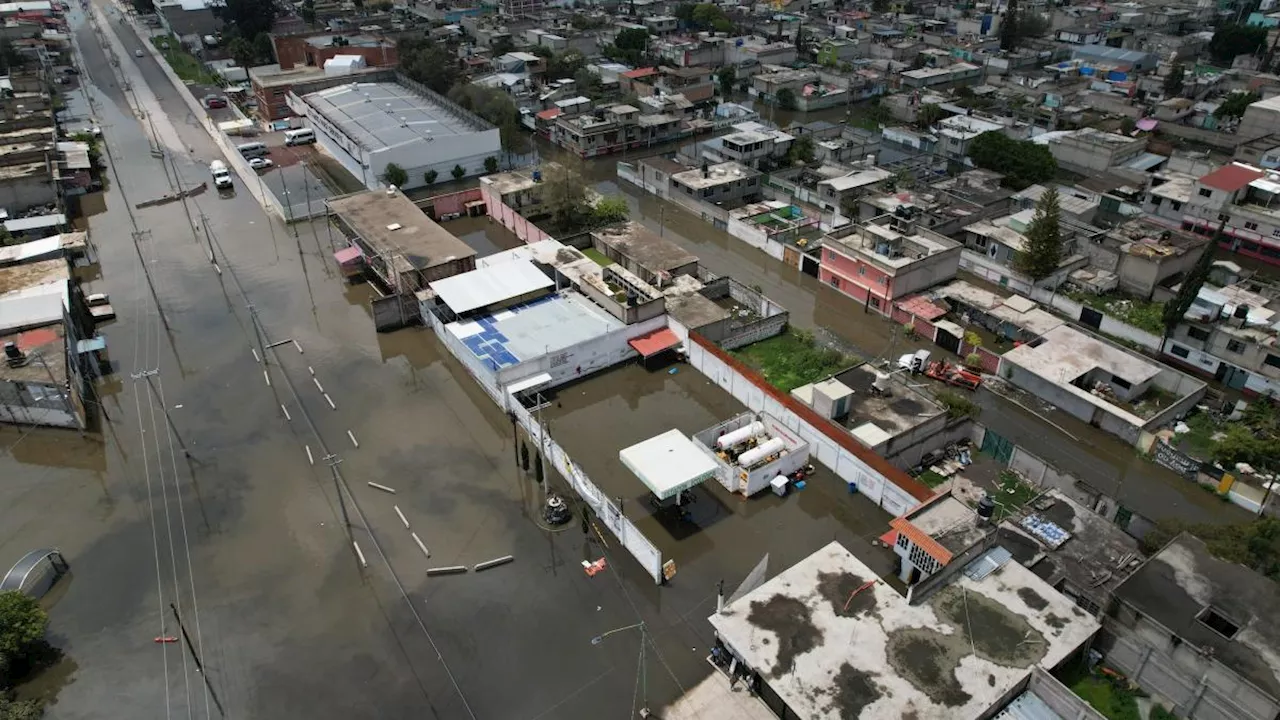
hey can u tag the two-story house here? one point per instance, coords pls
(886, 258)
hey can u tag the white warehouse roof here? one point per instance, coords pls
(385, 115)
(669, 463)
(490, 285)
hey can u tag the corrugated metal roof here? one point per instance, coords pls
(490, 285)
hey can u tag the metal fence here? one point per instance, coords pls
(627, 533)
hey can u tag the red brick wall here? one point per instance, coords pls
(291, 51)
(838, 435)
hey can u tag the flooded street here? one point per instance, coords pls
(209, 489)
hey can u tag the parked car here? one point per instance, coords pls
(214, 101)
(260, 163)
(70, 71)
(137, 53)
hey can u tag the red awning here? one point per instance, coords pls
(655, 342)
(347, 254)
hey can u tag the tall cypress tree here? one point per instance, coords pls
(1043, 252)
(1175, 309)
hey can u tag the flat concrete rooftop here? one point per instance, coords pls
(533, 329)
(834, 647)
(719, 174)
(1067, 354)
(654, 253)
(896, 413)
(18, 277)
(390, 223)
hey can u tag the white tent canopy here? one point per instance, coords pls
(668, 464)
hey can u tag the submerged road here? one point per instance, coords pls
(246, 537)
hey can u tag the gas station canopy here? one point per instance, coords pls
(668, 464)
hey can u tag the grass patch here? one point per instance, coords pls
(1012, 492)
(597, 257)
(1108, 695)
(1142, 314)
(931, 478)
(792, 359)
(1159, 713)
(185, 65)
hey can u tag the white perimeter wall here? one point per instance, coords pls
(468, 150)
(585, 358)
(842, 462)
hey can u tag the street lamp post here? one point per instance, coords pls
(642, 680)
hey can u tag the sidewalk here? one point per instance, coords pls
(712, 699)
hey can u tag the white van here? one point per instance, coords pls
(253, 149)
(303, 136)
(221, 178)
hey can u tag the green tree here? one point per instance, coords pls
(393, 174)
(565, 65)
(22, 626)
(1173, 82)
(1009, 27)
(264, 51)
(801, 150)
(589, 84)
(250, 18)
(609, 210)
(1234, 105)
(727, 77)
(1256, 544)
(429, 177)
(1043, 250)
(428, 63)
(242, 51)
(1022, 162)
(491, 164)
(1176, 309)
(20, 709)
(928, 115)
(457, 172)
(786, 99)
(1232, 40)
(502, 46)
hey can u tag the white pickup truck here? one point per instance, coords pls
(221, 177)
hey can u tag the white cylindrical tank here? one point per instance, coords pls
(755, 455)
(740, 435)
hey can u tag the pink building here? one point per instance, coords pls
(886, 258)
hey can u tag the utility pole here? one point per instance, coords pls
(288, 209)
(177, 181)
(147, 374)
(257, 334)
(204, 225)
(333, 461)
(138, 236)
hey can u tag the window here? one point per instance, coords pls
(884, 280)
(835, 282)
(979, 241)
(1177, 206)
(1186, 225)
(1156, 201)
(1272, 360)
(1251, 226)
(1224, 218)
(875, 302)
(1121, 382)
(1179, 351)
(1275, 233)
(831, 256)
(1218, 623)
(862, 269)
(902, 541)
(1206, 192)
(1196, 333)
(1235, 346)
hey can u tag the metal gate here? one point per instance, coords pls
(997, 446)
(1091, 317)
(809, 265)
(948, 342)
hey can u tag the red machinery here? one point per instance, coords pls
(953, 375)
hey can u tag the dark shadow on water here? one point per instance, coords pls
(701, 510)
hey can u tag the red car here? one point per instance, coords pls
(214, 101)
